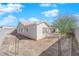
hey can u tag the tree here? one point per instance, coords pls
(65, 24)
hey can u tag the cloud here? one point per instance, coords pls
(48, 5)
(51, 13)
(76, 18)
(76, 15)
(21, 19)
(54, 5)
(45, 5)
(30, 19)
(7, 20)
(13, 7)
(10, 8)
(33, 19)
(1, 13)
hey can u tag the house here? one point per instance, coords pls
(34, 30)
(7, 27)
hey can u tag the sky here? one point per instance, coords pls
(12, 13)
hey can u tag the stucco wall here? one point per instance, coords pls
(18, 27)
(31, 33)
(40, 33)
(34, 31)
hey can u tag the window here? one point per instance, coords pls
(26, 29)
(23, 29)
(20, 30)
(45, 30)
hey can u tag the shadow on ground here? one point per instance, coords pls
(19, 36)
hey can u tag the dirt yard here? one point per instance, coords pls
(15, 44)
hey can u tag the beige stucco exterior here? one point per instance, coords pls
(40, 30)
(35, 31)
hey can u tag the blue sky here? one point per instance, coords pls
(11, 14)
